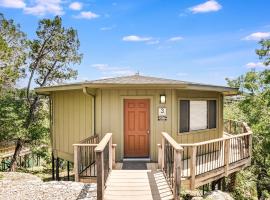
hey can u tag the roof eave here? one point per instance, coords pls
(225, 90)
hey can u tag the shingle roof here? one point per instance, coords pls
(137, 79)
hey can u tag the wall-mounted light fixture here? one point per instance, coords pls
(162, 98)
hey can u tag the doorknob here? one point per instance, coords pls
(148, 131)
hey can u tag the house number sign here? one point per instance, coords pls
(162, 113)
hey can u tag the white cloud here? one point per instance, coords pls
(258, 36)
(175, 39)
(255, 65)
(43, 7)
(87, 15)
(208, 6)
(75, 5)
(110, 71)
(135, 38)
(12, 3)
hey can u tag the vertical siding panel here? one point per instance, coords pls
(81, 116)
(98, 112)
(77, 116)
(65, 138)
(70, 122)
(61, 119)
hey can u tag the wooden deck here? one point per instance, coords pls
(137, 184)
(182, 166)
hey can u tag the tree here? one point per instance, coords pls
(51, 56)
(13, 49)
(256, 110)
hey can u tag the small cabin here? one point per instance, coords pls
(137, 110)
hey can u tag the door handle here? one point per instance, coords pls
(148, 131)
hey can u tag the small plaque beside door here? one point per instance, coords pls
(162, 114)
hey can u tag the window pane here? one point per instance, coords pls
(212, 113)
(184, 116)
(198, 115)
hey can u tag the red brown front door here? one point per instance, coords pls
(136, 127)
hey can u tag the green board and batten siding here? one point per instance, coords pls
(72, 120)
(73, 117)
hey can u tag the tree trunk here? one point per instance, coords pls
(232, 182)
(259, 186)
(13, 164)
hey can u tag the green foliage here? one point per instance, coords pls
(245, 190)
(13, 50)
(233, 111)
(14, 110)
(53, 52)
(255, 109)
(263, 53)
(49, 59)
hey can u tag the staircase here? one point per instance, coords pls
(136, 185)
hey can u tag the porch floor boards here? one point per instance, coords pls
(137, 184)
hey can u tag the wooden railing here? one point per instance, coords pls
(85, 158)
(104, 158)
(203, 159)
(170, 162)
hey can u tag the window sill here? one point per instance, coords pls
(197, 131)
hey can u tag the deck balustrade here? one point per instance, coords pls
(206, 161)
(171, 162)
(85, 158)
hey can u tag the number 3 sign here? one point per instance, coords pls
(162, 113)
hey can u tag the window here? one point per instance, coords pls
(197, 115)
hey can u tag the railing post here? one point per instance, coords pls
(110, 154)
(227, 156)
(113, 155)
(193, 158)
(230, 126)
(162, 154)
(100, 175)
(159, 156)
(76, 164)
(177, 173)
(250, 146)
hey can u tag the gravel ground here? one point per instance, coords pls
(22, 186)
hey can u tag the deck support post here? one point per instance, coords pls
(227, 156)
(76, 164)
(68, 170)
(53, 167)
(57, 169)
(213, 185)
(193, 166)
(100, 177)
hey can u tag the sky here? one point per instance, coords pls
(192, 40)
